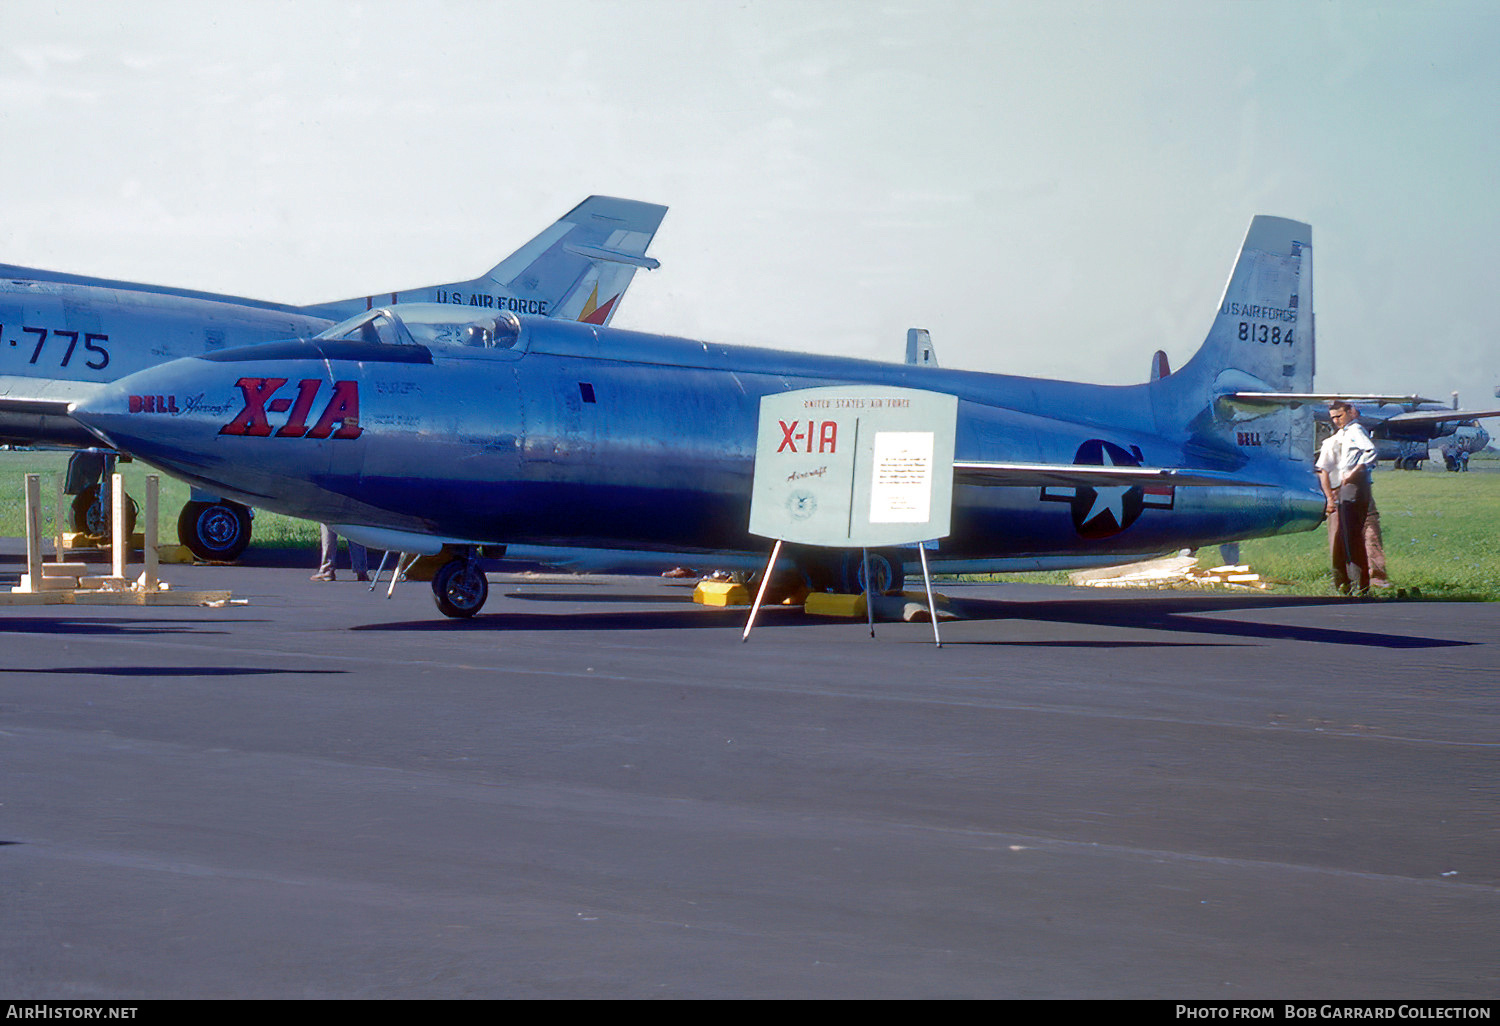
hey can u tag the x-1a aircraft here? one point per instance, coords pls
(63, 337)
(421, 429)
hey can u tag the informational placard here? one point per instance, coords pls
(850, 466)
(901, 477)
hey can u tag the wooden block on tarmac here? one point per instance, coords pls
(104, 582)
(47, 584)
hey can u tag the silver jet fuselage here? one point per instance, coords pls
(569, 435)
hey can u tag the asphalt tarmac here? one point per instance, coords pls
(595, 790)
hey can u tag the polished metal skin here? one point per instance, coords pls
(410, 428)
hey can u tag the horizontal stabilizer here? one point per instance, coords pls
(1084, 475)
(614, 256)
(1238, 405)
(1439, 416)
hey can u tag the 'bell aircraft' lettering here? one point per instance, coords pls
(153, 404)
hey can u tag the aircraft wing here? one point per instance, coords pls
(18, 388)
(1084, 475)
(35, 410)
(1438, 416)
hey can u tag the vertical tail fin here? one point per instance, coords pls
(577, 269)
(919, 351)
(1261, 340)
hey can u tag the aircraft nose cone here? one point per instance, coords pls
(107, 413)
(259, 425)
(163, 414)
(135, 406)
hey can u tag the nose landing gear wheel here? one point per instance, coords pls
(459, 588)
(95, 520)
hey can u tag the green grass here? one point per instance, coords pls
(272, 530)
(1440, 533)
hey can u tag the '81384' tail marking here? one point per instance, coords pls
(261, 400)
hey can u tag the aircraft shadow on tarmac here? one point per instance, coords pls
(110, 625)
(1185, 613)
(571, 596)
(166, 671)
(1179, 614)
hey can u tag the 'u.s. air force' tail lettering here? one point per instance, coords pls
(575, 270)
(1261, 341)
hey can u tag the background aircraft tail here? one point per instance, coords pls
(577, 269)
(1261, 341)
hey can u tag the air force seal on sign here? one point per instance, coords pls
(1101, 512)
(801, 504)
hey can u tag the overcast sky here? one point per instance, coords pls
(1054, 189)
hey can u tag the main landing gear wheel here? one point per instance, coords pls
(459, 588)
(215, 531)
(92, 519)
(843, 572)
(885, 567)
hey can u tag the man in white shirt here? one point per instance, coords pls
(1344, 465)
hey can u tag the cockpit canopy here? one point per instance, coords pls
(429, 324)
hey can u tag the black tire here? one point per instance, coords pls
(459, 588)
(885, 566)
(95, 522)
(214, 531)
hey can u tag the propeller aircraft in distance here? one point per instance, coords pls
(1407, 434)
(63, 337)
(424, 428)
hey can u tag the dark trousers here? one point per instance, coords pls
(1351, 560)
